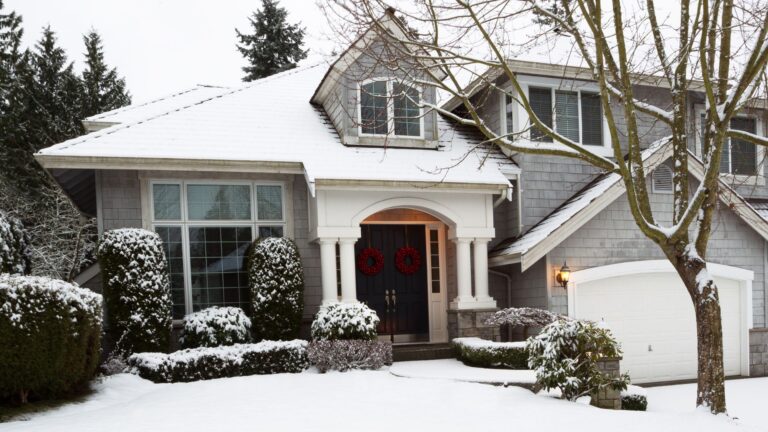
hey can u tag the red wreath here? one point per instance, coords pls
(363, 261)
(401, 260)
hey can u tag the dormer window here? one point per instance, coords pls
(390, 108)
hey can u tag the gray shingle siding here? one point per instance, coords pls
(120, 194)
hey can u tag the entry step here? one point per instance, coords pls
(413, 352)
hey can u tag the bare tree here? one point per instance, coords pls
(716, 49)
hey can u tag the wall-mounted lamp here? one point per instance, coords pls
(563, 275)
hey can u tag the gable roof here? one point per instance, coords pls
(269, 125)
(548, 233)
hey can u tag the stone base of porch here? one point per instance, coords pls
(470, 323)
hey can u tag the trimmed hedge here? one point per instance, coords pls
(50, 334)
(276, 279)
(137, 291)
(215, 326)
(344, 321)
(477, 352)
(343, 355)
(15, 256)
(634, 398)
(267, 357)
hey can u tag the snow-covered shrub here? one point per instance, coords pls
(477, 352)
(215, 326)
(15, 256)
(634, 398)
(136, 290)
(524, 317)
(276, 279)
(113, 365)
(266, 357)
(49, 337)
(345, 321)
(343, 355)
(565, 356)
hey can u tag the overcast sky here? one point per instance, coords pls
(161, 46)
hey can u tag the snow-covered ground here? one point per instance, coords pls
(374, 401)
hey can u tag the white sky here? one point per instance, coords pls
(161, 46)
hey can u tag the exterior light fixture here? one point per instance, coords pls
(563, 275)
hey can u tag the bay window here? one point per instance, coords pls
(390, 107)
(207, 228)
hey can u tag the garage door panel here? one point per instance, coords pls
(653, 318)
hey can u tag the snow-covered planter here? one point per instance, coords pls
(343, 355)
(565, 356)
(215, 326)
(345, 321)
(478, 352)
(50, 334)
(15, 257)
(136, 290)
(634, 398)
(266, 357)
(276, 279)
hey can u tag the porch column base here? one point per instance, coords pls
(471, 323)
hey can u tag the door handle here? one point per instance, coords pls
(394, 299)
(386, 298)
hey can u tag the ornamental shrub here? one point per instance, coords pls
(565, 356)
(266, 357)
(477, 352)
(215, 326)
(345, 321)
(136, 290)
(50, 334)
(15, 256)
(343, 355)
(634, 398)
(276, 279)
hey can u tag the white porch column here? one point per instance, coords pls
(347, 256)
(464, 299)
(480, 252)
(328, 270)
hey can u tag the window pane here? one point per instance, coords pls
(373, 108)
(166, 200)
(743, 153)
(217, 256)
(407, 119)
(508, 110)
(567, 114)
(269, 202)
(172, 247)
(270, 231)
(541, 104)
(219, 202)
(591, 119)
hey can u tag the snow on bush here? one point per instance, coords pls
(136, 290)
(343, 355)
(345, 321)
(49, 337)
(266, 357)
(478, 352)
(524, 317)
(634, 398)
(276, 279)
(15, 256)
(565, 356)
(215, 326)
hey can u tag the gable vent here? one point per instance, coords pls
(662, 179)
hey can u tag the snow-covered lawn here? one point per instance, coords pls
(373, 401)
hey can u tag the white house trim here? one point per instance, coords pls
(744, 277)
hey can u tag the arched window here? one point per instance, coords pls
(662, 179)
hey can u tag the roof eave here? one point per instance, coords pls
(166, 164)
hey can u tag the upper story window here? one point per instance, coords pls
(390, 107)
(574, 114)
(739, 157)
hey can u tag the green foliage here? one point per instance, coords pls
(14, 246)
(136, 290)
(487, 354)
(344, 355)
(104, 89)
(274, 46)
(276, 280)
(50, 337)
(565, 356)
(215, 326)
(345, 321)
(634, 402)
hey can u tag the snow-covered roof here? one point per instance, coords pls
(272, 121)
(760, 206)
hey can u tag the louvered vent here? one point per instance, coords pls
(662, 179)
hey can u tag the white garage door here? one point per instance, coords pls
(652, 316)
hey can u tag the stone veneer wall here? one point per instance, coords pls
(607, 397)
(469, 323)
(758, 352)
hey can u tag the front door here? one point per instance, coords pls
(398, 295)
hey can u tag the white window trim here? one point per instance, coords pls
(184, 223)
(521, 117)
(390, 109)
(736, 179)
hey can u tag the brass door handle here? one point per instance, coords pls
(386, 298)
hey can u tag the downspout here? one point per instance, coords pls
(509, 283)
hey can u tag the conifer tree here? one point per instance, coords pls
(274, 46)
(104, 89)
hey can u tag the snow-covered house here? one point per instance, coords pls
(414, 215)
